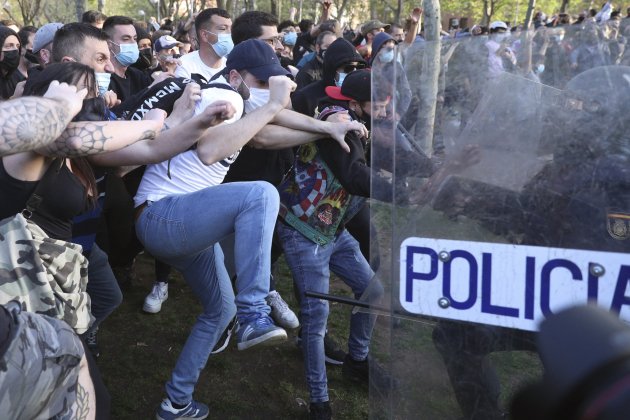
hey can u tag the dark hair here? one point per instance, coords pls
(142, 33)
(93, 109)
(24, 33)
(202, 19)
(110, 22)
(8, 22)
(305, 25)
(93, 16)
(285, 24)
(394, 25)
(249, 25)
(320, 38)
(70, 40)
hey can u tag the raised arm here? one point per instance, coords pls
(223, 140)
(29, 123)
(290, 128)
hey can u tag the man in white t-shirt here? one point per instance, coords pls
(183, 211)
(213, 27)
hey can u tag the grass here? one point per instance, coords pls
(139, 351)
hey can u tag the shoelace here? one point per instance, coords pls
(276, 300)
(158, 291)
(263, 321)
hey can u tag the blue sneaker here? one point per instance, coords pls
(257, 331)
(194, 410)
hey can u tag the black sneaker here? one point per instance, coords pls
(333, 353)
(320, 411)
(224, 340)
(359, 371)
(91, 341)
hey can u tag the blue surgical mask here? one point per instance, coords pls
(540, 68)
(386, 56)
(339, 81)
(290, 38)
(129, 54)
(102, 80)
(224, 44)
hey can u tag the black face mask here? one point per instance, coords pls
(10, 61)
(145, 60)
(31, 56)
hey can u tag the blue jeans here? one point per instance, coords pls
(310, 264)
(183, 231)
(102, 286)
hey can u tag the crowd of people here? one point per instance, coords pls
(217, 145)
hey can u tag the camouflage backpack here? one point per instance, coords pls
(47, 276)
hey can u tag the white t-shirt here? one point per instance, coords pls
(187, 173)
(192, 64)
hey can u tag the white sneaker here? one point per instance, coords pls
(153, 301)
(280, 311)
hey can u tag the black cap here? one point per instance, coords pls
(357, 85)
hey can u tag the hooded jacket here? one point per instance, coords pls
(339, 53)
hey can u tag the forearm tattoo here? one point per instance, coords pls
(29, 123)
(82, 405)
(80, 139)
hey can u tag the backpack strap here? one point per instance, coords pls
(35, 200)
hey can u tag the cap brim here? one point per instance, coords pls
(335, 93)
(269, 70)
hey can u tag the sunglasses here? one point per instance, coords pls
(349, 68)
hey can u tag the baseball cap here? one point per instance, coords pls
(357, 85)
(165, 42)
(498, 24)
(258, 58)
(45, 35)
(370, 25)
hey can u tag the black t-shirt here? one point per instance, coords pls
(134, 82)
(60, 204)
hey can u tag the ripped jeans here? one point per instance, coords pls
(310, 265)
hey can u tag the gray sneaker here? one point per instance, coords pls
(280, 311)
(154, 300)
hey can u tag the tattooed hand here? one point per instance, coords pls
(67, 95)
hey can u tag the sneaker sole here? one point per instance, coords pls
(270, 338)
(151, 309)
(286, 325)
(224, 346)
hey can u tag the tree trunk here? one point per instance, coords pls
(399, 5)
(80, 9)
(488, 6)
(429, 79)
(564, 6)
(274, 7)
(101, 5)
(530, 13)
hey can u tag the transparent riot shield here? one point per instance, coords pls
(509, 200)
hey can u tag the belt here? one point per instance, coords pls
(139, 210)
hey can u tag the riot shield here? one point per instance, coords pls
(510, 200)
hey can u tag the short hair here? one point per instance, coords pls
(305, 25)
(70, 39)
(24, 33)
(249, 25)
(285, 24)
(320, 38)
(110, 22)
(394, 25)
(8, 22)
(202, 19)
(93, 16)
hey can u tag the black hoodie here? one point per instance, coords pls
(339, 53)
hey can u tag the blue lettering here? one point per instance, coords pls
(472, 280)
(412, 275)
(620, 298)
(545, 281)
(486, 290)
(530, 286)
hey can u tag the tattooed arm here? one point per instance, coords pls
(89, 138)
(85, 405)
(29, 123)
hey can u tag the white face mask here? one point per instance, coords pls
(257, 98)
(102, 80)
